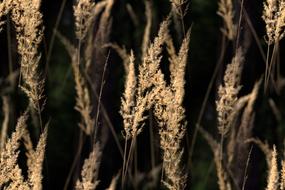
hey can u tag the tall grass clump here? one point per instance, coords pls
(274, 18)
(11, 176)
(27, 20)
(150, 90)
(142, 105)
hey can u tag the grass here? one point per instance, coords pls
(145, 138)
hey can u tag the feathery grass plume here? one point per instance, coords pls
(10, 172)
(35, 159)
(227, 93)
(273, 174)
(5, 124)
(84, 17)
(223, 178)
(129, 101)
(170, 115)
(282, 183)
(274, 18)
(172, 127)
(5, 7)
(144, 95)
(90, 169)
(226, 12)
(27, 19)
(149, 72)
(178, 68)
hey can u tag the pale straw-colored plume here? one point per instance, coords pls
(11, 176)
(147, 78)
(84, 13)
(170, 114)
(89, 173)
(177, 70)
(27, 20)
(274, 18)
(228, 92)
(5, 124)
(172, 126)
(129, 101)
(273, 173)
(226, 12)
(10, 173)
(35, 159)
(149, 72)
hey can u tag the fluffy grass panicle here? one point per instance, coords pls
(274, 18)
(226, 11)
(9, 169)
(273, 174)
(84, 13)
(129, 100)
(228, 92)
(169, 113)
(29, 32)
(89, 172)
(35, 159)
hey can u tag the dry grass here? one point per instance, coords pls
(227, 13)
(27, 20)
(228, 92)
(89, 174)
(153, 97)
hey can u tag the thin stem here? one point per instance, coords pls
(124, 163)
(59, 16)
(246, 168)
(100, 94)
(266, 68)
